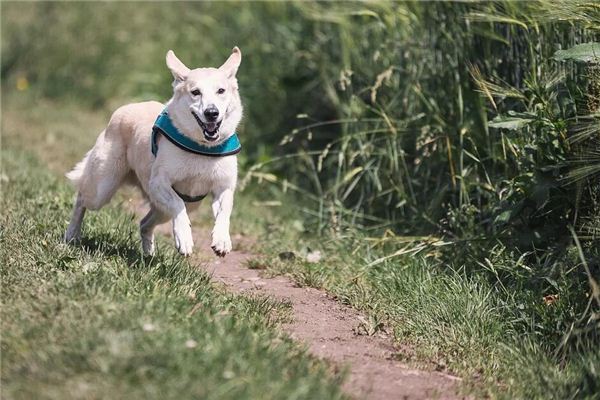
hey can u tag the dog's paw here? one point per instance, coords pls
(221, 243)
(72, 235)
(182, 231)
(184, 242)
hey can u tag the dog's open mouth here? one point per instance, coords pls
(210, 129)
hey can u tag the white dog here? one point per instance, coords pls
(176, 154)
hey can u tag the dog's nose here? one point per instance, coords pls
(211, 113)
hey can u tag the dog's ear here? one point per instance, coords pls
(178, 69)
(232, 64)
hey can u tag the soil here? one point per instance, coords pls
(329, 329)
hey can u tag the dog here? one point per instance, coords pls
(175, 153)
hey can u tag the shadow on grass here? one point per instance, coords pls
(112, 247)
(164, 264)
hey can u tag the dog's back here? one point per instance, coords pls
(118, 149)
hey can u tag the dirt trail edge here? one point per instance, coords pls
(328, 328)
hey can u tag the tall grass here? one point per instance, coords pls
(413, 87)
(459, 136)
(451, 120)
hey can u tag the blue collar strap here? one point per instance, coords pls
(164, 126)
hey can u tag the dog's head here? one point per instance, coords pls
(206, 104)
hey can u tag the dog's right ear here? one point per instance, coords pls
(178, 69)
(233, 63)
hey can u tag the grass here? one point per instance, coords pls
(505, 341)
(100, 321)
(443, 189)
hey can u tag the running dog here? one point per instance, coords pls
(176, 154)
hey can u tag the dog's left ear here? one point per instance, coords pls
(232, 64)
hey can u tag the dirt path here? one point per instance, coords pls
(328, 328)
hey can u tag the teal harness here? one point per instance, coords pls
(164, 126)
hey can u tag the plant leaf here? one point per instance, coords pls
(586, 52)
(509, 122)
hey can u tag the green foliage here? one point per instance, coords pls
(412, 138)
(586, 52)
(410, 144)
(458, 137)
(105, 54)
(514, 121)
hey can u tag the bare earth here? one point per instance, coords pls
(328, 328)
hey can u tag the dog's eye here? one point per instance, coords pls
(221, 91)
(195, 92)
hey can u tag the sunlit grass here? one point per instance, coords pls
(99, 320)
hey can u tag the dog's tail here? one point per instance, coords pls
(75, 175)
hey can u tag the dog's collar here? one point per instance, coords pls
(164, 126)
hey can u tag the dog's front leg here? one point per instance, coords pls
(164, 197)
(222, 206)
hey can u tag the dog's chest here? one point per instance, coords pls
(198, 175)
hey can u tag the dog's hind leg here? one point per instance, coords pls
(104, 171)
(149, 222)
(97, 177)
(74, 230)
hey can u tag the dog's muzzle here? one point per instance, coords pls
(210, 129)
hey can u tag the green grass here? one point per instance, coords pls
(73, 318)
(505, 341)
(100, 321)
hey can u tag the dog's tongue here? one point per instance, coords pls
(210, 127)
